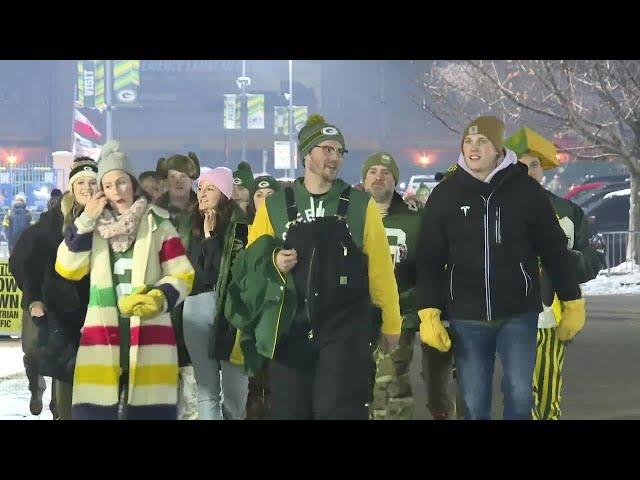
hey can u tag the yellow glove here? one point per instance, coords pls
(143, 305)
(432, 332)
(573, 318)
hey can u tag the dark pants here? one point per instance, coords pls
(259, 397)
(178, 327)
(476, 344)
(320, 382)
(30, 359)
(437, 373)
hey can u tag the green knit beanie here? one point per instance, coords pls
(315, 131)
(381, 158)
(264, 181)
(243, 176)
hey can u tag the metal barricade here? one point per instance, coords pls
(618, 254)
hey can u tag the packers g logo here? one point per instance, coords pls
(88, 169)
(263, 184)
(473, 130)
(126, 96)
(385, 159)
(329, 131)
(237, 181)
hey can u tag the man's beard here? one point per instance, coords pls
(380, 194)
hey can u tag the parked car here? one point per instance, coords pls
(610, 213)
(587, 197)
(593, 183)
(416, 180)
(605, 179)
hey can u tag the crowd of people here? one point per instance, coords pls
(191, 292)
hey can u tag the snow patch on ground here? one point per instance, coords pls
(10, 360)
(624, 279)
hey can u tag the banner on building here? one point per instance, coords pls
(10, 300)
(255, 109)
(232, 111)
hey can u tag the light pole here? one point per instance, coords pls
(243, 82)
(292, 171)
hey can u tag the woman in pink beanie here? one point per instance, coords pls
(219, 231)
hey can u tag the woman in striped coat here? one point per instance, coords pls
(127, 364)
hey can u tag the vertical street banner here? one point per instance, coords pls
(299, 117)
(255, 109)
(86, 86)
(10, 299)
(232, 111)
(100, 98)
(90, 85)
(126, 81)
(281, 119)
(282, 156)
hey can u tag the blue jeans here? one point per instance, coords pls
(475, 345)
(222, 386)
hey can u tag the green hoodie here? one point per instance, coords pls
(313, 206)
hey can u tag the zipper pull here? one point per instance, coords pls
(344, 250)
(310, 334)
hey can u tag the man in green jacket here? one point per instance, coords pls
(336, 255)
(392, 393)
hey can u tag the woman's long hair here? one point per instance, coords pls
(224, 211)
(70, 209)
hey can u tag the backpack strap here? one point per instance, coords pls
(292, 209)
(343, 203)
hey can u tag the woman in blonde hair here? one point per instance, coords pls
(54, 308)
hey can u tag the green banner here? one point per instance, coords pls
(100, 100)
(126, 81)
(86, 87)
(255, 109)
(281, 120)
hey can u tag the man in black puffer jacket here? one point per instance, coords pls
(483, 229)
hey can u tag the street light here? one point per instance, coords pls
(12, 159)
(292, 166)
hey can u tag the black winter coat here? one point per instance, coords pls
(32, 263)
(479, 245)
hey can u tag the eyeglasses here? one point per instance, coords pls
(328, 150)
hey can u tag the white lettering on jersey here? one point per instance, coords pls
(397, 244)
